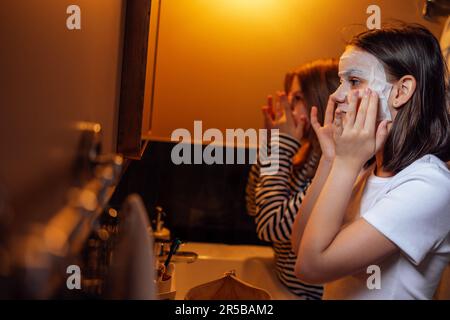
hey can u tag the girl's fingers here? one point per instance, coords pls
(286, 108)
(314, 122)
(381, 135)
(270, 101)
(267, 117)
(372, 111)
(338, 126)
(284, 101)
(279, 110)
(270, 106)
(329, 112)
(351, 111)
(362, 111)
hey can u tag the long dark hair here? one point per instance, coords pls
(318, 80)
(422, 125)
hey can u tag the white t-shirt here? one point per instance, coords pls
(412, 209)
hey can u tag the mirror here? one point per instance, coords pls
(216, 61)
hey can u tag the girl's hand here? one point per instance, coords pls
(268, 114)
(357, 138)
(325, 133)
(282, 117)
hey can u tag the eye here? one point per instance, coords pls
(354, 82)
(296, 97)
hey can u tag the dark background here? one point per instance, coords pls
(204, 203)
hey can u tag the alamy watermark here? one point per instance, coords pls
(74, 279)
(73, 21)
(374, 280)
(374, 20)
(220, 148)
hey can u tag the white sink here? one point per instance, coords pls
(252, 264)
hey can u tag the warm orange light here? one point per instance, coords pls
(217, 60)
(246, 6)
(112, 212)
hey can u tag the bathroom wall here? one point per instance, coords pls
(52, 79)
(217, 60)
(202, 202)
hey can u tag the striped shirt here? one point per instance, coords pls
(274, 201)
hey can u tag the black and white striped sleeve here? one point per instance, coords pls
(250, 189)
(276, 204)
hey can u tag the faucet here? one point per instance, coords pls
(162, 241)
(160, 232)
(161, 235)
(159, 214)
(185, 256)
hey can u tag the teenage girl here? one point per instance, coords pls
(375, 223)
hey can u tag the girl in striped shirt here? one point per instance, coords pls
(274, 199)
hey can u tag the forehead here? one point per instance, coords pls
(356, 61)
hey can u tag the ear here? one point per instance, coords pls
(404, 89)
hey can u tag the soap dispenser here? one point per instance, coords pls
(160, 232)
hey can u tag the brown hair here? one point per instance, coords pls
(422, 125)
(318, 80)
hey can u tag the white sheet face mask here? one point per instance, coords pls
(357, 64)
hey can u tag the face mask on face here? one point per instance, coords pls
(358, 64)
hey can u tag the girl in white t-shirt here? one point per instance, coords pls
(375, 223)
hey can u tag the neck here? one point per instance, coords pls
(379, 170)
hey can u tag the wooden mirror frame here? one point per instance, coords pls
(138, 76)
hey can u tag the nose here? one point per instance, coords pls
(340, 95)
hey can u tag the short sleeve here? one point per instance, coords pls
(415, 213)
